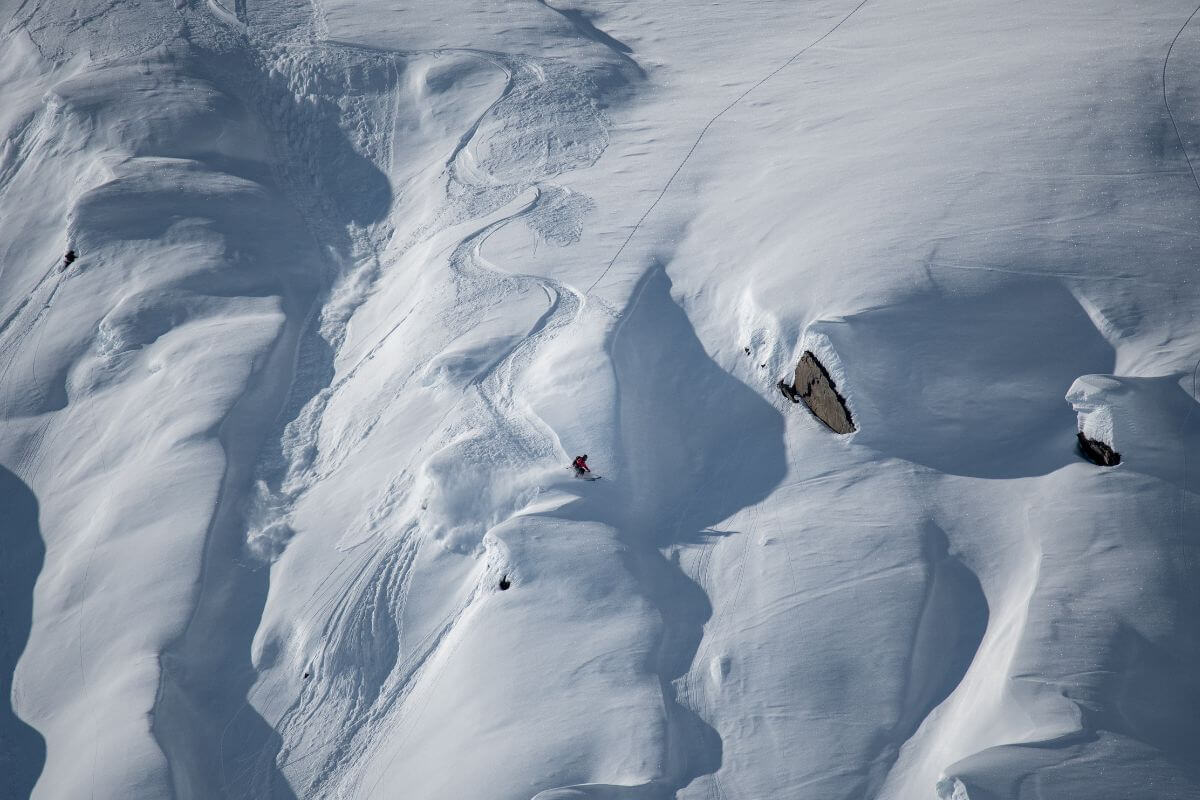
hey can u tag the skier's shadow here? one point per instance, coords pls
(22, 551)
(698, 446)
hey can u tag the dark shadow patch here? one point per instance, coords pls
(953, 621)
(1155, 691)
(215, 741)
(1103, 762)
(979, 393)
(688, 426)
(697, 446)
(584, 26)
(22, 552)
(949, 631)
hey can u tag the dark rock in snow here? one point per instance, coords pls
(1098, 452)
(817, 390)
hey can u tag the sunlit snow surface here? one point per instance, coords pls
(357, 280)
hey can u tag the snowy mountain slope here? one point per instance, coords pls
(356, 281)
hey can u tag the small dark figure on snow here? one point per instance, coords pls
(67, 260)
(580, 465)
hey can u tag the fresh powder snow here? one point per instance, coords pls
(307, 309)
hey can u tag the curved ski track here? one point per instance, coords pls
(356, 604)
(367, 592)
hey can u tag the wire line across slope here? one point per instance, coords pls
(637, 226)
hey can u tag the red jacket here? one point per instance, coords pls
(581, 464)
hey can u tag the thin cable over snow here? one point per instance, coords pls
(637, 226)
(1167, 102)
(1183, 496)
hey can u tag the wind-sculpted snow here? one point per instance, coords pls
(284, 446)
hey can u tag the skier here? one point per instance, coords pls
(580, 465)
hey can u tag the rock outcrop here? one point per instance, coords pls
(1098, 452)
(1093, 398)
(813, 386)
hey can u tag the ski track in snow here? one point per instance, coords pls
(494, 393)
(35, 449)
(351, 601)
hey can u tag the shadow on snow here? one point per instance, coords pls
(22, 551)
(698, 446)
(216, 742)
(975, 382)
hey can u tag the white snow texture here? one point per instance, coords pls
(285, 509)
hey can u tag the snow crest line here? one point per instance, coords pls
(637, 226)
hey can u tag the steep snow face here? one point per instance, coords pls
(284, 447)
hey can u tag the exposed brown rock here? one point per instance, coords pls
(814, 387)
(1098, 452)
